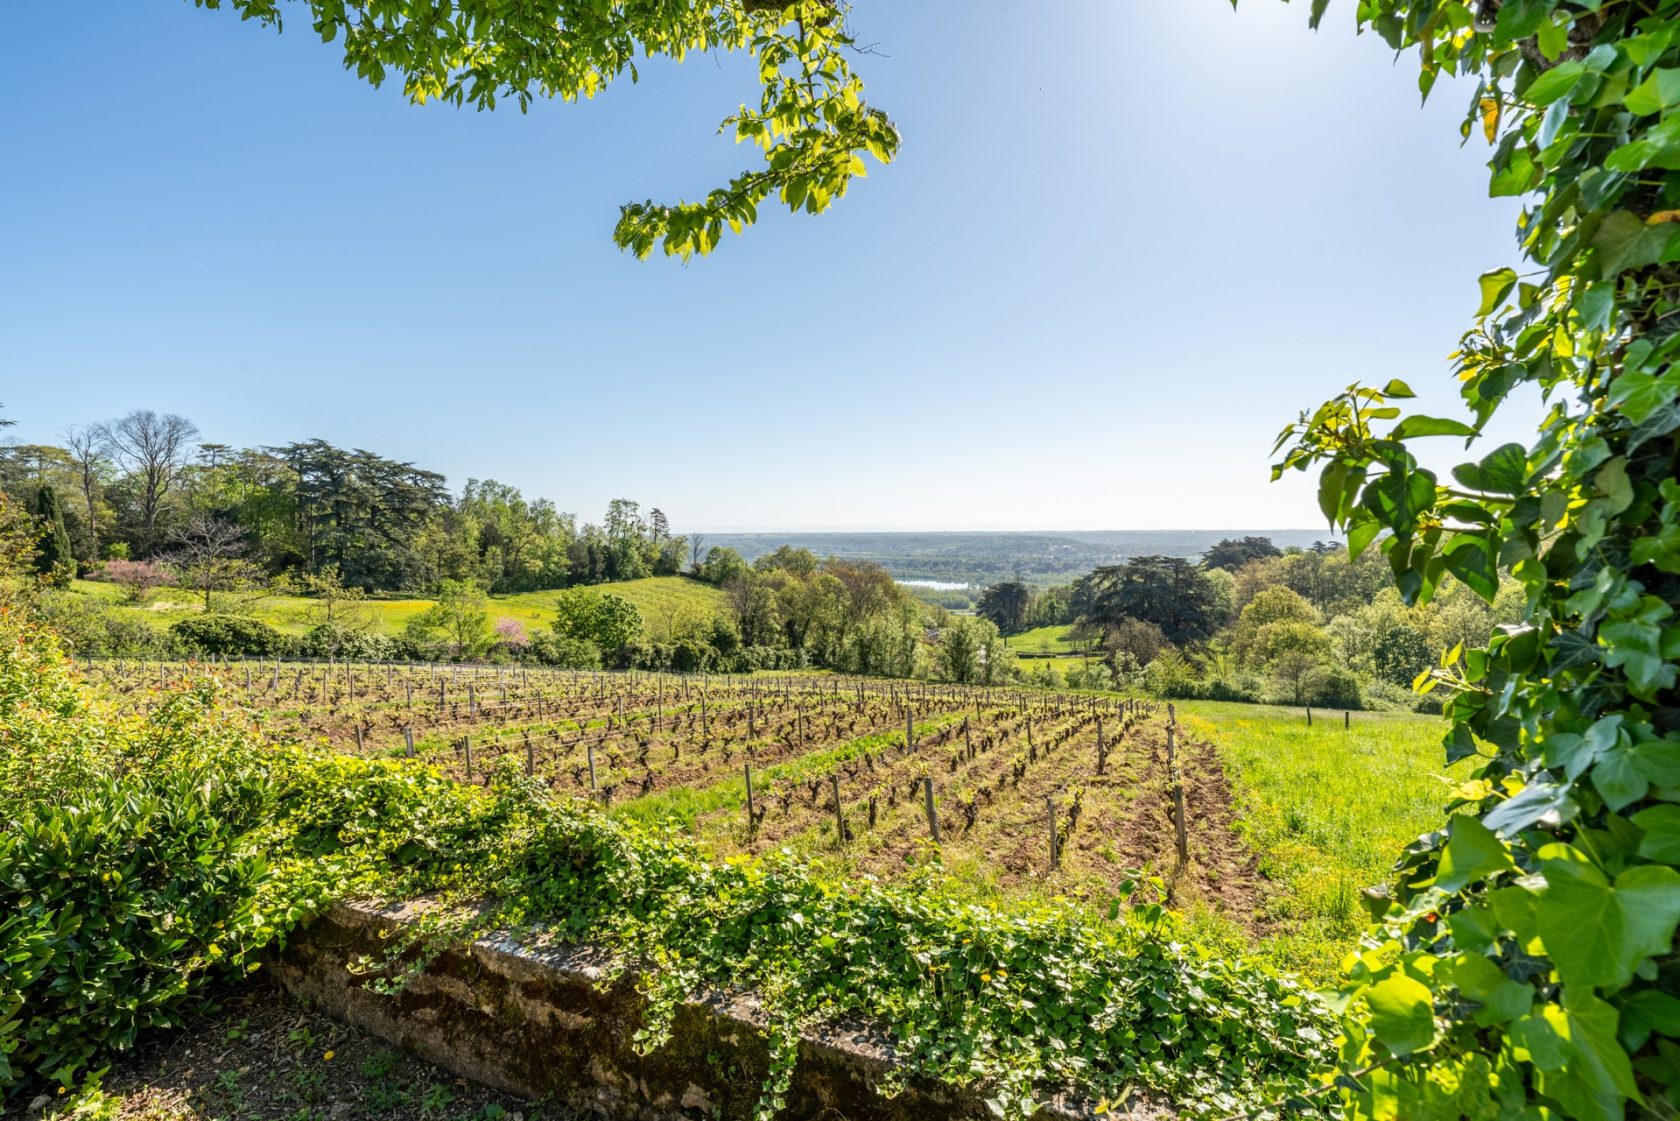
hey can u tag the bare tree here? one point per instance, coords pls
(696, 551)
(87, 451)
(209, 554)
(153, 448)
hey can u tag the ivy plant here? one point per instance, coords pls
(1524, 960)
(811, 123)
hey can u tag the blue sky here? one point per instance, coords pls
(1125, 243)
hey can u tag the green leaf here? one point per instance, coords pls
(1397, 389)
(1402, 1014)
(1596, 933)
(1501, 998)
(1496, 285)
(1625, 242)
(1504, 470)
(1661, 825)
(1636, 394)
(1596, 1076)
(1419, 425)
(1473, 853)
(1554, 83)
(1658, 92)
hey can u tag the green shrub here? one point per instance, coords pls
(230, 636)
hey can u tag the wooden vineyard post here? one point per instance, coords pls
(1055, 845)
(530, 754)
(968, 738)
(1309, 716)
(1180, 826)
(466, 746)
(358, 737)
(909, 731)
(590, 750)
(1102, 749)
(408, 742)
(927, 802)
(1032, 752)
(1347, 720)
(839, 814)
(751, 817)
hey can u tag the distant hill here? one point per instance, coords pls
(984, 558)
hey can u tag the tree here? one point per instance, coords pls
(1231, 553)
(87, 450)
(153, 449)
(1521, 948)
(334, 603)
(1400, 653)
(53, 559)
(209, 556)
(971, 651)
(610, 622)
(1170, 592)
(460, 618)
(135, 578)
(1008, 605)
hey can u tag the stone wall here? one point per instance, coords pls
(534, 1020)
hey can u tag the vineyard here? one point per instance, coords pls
(1022, 791)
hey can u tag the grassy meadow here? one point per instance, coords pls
(1326, 810)
(664, 601)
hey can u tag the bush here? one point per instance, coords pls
(1333, 687)
(550, 649)
(89, 629)
(230, 636)
(333, 640)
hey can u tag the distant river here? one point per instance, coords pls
(938, 585)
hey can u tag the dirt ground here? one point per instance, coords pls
(266, 1057)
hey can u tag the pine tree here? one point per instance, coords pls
(53, 558)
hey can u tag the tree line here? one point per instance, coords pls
(145, 489)
(1253, 622)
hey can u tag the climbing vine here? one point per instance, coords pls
(1524, 962)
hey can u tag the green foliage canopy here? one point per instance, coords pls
(1525, 964)
(811, 121)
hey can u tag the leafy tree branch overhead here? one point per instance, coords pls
(811, 123)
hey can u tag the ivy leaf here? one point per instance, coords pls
(1501, 998)
(1636, 395)
(1402, 1014)
(1625, 242)
(1618, 779)
(1640, 648)
(1473, 853)
(1536, 802)
(1597, 1076)
(1661, 825)
(1658, 92)
(1596, 933)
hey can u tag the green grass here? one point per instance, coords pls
(1042, 640)
(664, 601)
(1328, 811)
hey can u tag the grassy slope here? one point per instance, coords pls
(1042, 640)
(1327, 810)
(662, 600)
